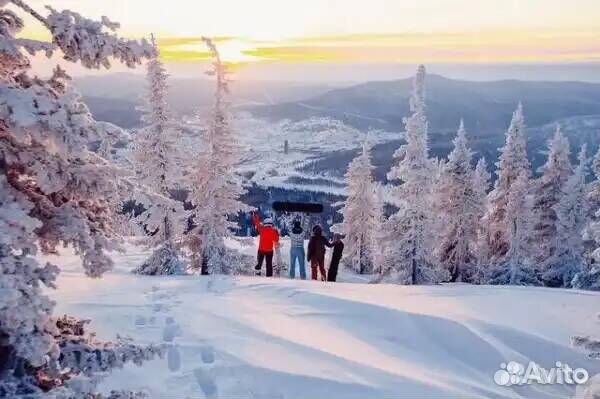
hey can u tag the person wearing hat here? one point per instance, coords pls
(268, 240)
(297, 249)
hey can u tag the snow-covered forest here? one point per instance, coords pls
(68, 191)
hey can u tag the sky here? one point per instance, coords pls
(349, 32)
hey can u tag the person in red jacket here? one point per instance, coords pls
(268, 240)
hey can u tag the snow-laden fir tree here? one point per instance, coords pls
(516, 266)
(216, 188)
(589, 277)
(408, 235)
(483, 248)
(594, 194)
(361, 216)
(458, 207)
(53, 192)
(155, 164)
(512, 163)
(548, 190)
(571, 220)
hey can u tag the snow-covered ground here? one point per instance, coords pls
(252, 337)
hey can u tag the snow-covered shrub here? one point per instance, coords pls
(588, 278)
(53, 190)
(164, 260)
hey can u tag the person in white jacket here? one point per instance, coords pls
(297, 235)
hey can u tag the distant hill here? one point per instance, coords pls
(485, 106)
(114, 110)
(114, 97)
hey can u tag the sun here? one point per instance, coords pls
(231, 50)
(235, 52)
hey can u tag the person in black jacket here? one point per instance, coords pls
(316, 253)
(338, 249)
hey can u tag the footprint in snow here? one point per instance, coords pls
(171, 330)
(206, 382)
(174, 358)
(207, 353)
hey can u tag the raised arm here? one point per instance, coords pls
(306, 223)
(256, 221)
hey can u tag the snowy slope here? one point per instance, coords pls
(251, 337)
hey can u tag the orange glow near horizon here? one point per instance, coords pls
(472, 47)
(356, 31)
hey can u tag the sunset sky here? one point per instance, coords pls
(358, 31)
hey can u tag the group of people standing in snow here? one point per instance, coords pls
(268, 243)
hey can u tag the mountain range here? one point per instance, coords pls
(484, 106)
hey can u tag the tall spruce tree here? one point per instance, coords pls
(408, 248)
(589, 276)
(361, 216)
(571, 216)
(155, 152)
(512, 163)
(217, 189)
(458, 208)
(547, 191)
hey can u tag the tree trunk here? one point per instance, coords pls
(414, 266)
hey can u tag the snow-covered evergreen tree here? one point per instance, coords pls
(512, 163)
(407, 243)
(571, 217)
(459, 211)
(548, 190)
(53, 191)
(515, 267)
(483, 248)
(594, 194)
(216, 188)
(361, 216)
(589, 276)
(155, 150)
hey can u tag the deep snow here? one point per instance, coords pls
(252, 337)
